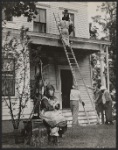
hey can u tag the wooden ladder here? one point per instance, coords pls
(74, 64)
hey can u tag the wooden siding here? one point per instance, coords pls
(19, 82)
(79, 10)
(6, 112)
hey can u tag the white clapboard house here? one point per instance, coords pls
(44, 33)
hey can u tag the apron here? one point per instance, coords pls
(55, 117)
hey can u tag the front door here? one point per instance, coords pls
(66, 85)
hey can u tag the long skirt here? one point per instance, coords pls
(65, 36)
(54, 118)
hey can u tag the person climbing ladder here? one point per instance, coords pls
(66, 27)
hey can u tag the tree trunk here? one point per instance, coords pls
(17, 136)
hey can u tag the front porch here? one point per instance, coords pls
(55, 62)
(56, 71)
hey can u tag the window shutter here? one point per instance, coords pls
(72, 20)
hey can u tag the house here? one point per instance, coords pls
(56, 71)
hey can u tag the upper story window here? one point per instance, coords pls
(40, 21)
(8, 77)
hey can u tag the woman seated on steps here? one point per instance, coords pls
(52, 117)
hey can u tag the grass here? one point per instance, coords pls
(97, 136)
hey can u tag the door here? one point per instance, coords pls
(66, 85)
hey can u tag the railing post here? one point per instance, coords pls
(102, 65)
(107, 61)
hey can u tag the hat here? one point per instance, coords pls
(102, 88)
(66, 11)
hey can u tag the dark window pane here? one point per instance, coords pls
(72, 19)
(36, 27)
(8, 77)
(39, 27)
(43, 28)
(8, 86)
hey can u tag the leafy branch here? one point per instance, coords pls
(11, 49)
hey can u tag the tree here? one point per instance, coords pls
(108, 24)
(28, 9)
(17, 49)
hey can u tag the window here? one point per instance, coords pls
(72, 19)
(40, 21)
(8, 77)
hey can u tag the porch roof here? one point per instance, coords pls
(53, 40)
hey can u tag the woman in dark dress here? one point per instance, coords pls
(51, 114)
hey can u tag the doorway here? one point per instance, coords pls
(66, 85)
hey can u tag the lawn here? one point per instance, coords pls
(97, 136)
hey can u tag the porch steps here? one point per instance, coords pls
(81, 117)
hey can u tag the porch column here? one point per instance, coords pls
(107, 62)
(102, 64)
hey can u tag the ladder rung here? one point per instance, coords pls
(68, 50)
(73, 63)
(71, 58)
(69, 53)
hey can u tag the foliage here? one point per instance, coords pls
(18, 49)
(108, 24)
(28, 9)
(93, 31)
(95, 63)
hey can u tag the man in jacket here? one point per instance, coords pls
(104, 103)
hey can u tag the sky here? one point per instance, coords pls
(92, 6)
